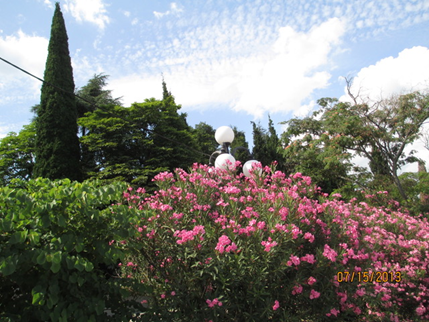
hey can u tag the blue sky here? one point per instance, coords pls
(227, 62)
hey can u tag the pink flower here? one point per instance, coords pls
(309, 236)
(357, 310)
(420, 310)
(335, 312)
(314, 294)
(294, 260)
(309, 258)
(283, 212)
(276, 305)
(329, 253)
(311, 280)
(173, 293)
(360, 292)
(224, 241)
(268, 244)
(231, 248)
(213, 303)
(297, 289)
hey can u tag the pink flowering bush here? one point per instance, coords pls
(274, 247)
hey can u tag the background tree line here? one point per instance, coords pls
(88, 134)
(133, 144)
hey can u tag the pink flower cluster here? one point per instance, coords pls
(214, 302)
(329, 253)
(268, 244)
(303, 235)
(225, 241)
(187, 235)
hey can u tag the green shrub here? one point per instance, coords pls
(57, 241)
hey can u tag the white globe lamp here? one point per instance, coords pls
(251, 164)
(224, 134)
(225, 161)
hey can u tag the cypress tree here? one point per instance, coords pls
(57, 143)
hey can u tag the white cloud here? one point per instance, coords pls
(4, 130)
(136, 88)
(393, 75)
(275, 80)
(47, 3)
(292, 72)
(93, 11)
(174, 10)
(15, 48)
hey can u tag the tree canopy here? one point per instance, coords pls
(378, 131)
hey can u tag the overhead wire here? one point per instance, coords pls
(95, 105)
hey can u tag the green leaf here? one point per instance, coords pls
(52, 300)
(80, 280)
(79, 265)
(18, 237)
(9, 265)
(57, 257)
(34, 237)
(37, 298)
(7, 225)
(89, 266)
(61, 221)
(79, 246)
(67, 241)
(41, 259)
(70, 262)
(73, 278)
(38, 294)
(55, 267)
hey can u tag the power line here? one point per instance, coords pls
(45, 82)
(93, 104)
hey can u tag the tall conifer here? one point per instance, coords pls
(57, 144)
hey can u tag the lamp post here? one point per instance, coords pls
(224, 136)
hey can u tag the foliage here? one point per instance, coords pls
(316, 154)
(57, 241)
(379, 131)
(173, 143)
(204, 137)
(57, 144)
(17, 155)
(94, 94)
(134, 144)
(266, 145)
(221, 247)
(239, 146)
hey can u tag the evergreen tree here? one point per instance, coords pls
(238, 144)
(57, 144)
(174, 145)
(204, 136)
(266, 145)
(90, 97)
(94, 94)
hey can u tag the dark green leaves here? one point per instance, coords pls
(54, 238)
